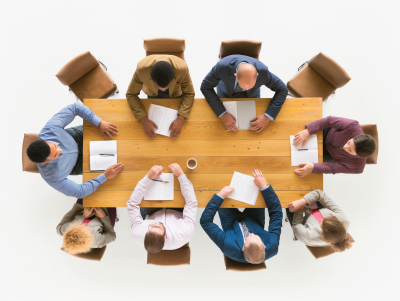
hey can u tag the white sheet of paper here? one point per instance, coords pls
(245, 189)
(307, 153)
(231, 108)
(99, 161)
(163, 117)
(158, 191)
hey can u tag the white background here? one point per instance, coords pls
(39, 37)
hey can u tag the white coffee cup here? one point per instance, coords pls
(192, 163)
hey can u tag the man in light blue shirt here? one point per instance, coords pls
(58, 151)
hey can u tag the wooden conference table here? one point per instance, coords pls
(203, 137)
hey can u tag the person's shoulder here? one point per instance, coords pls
(48, 171)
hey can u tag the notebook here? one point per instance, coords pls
(307, 153)
(103, 154)
(163, 117)
(158, 191)
(243, 111)
(245, 189)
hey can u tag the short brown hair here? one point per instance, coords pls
(334, 232)
(77, 239)
(153, 241)
(365, 145)
(254, 253)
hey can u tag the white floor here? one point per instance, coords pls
(39, 37)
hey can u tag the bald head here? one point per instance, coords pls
(254, 249)
(246, 75)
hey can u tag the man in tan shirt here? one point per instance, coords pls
(161, 76)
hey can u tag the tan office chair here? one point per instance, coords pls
(87, 77)
(165, 46)
(319, 252)
(372, 129)
(249, 48)
(232, 265)
(95, 254)
(27, 164)
(319, 78)
(179, 256)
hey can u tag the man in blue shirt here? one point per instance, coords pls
(58, 151)
(243, 237)
(241, 76)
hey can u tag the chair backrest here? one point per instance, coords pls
(165, 46)
(249, 48)
(331, 71)
(232, 265)
(179, 256)
(27, 164)
(95, 254)
(319, 252)
(372, 129)
(76, 68)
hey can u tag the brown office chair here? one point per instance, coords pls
(87, 77)
(319, 252)
(179, 256)
(372, 129)
(165, 46)
(249, 48)
(232, 265)
(319, 78)
(27, 164)
(95, 254)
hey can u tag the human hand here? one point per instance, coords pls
(154, 172)
(112, 171)
(301, 137)
(149, 127)
(227, 190)
(296, 205)
(258, 123)
(305, 170)
(259, 179)
(108, 129)
(88, 212)
(230, 121)
(176, 126)
(99, 212)
(176, 169)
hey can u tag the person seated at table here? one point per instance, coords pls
(161, 76)
(324, 223)
(163, 228)
(241, 76)
(85, 228)
(345, 146)
(243, 237)
(58, 151)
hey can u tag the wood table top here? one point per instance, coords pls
(203, 137)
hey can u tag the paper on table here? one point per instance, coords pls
(158, 191)
(103, 154)
(246, 111)
(245, 189)
(231, 108)
(163, 117)
(307, 153)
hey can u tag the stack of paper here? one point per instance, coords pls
(245, 189)
(103, 154)
(158, 191)
(163, 117)
(305, 154)
(243, 111)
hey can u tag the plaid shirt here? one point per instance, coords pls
(342, 130)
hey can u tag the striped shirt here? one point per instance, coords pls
(55, 173)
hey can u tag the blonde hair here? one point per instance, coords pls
(77, 239)
(334, 232)
(254, 253)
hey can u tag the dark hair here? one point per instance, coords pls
(38, 151)
(334, 232)
(162, 73)
(365, 145)
(153, 242)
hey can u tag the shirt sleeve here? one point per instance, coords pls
(134, 202)
(275, 84)
(68, 114)
(187, 96)
(70, 188)
(299, 230)
(332, 122)
(338, 167)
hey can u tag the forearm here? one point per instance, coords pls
(207, 218)
(190, 209)
(186, 105)
(135, 200)
(132, 95)
(333, 168)
(281, 92)
(331, 122)
(274, 210)
(108, 228)
(70, 188)
(207, 88)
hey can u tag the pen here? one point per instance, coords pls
(160, 181)
(107, 155)
(300, 149)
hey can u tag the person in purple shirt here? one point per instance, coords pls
(346, 147)
(58, 151)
